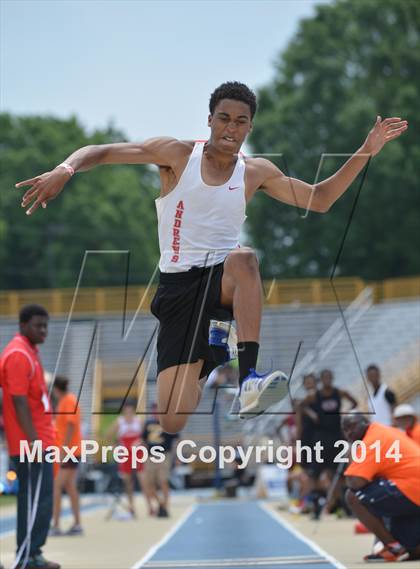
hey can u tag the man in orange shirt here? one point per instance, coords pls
(405, 418)
(27, 417)
(67, 423)
(384, 490)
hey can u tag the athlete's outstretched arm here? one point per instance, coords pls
(321, 196)
(45, 187)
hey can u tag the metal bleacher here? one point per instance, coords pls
(68, 352)
(74, 348)
(102, 354)
(387, 334)
(283, 330)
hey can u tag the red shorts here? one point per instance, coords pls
(126, 466)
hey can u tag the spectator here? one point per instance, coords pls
(306, 420)
(405, 418)
(27, 417)
(128, 430)
(1, 415)
(385, 486)
(156, 475)
(383, 399)
(67, 422)
(326, 405)
(287, 429)
(306, 416)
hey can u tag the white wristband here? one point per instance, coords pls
(69, 168)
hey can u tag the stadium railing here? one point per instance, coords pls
(277, 292)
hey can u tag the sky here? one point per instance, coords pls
(149, 67)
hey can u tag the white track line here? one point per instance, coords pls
(301, 537)
(165, 538)
(231, 563)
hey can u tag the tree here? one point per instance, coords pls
(351, 61)
(107, 208)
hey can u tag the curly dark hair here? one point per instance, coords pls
(30, 310)
(61, 383)
(236, 91)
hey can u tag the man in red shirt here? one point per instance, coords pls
(27, 417)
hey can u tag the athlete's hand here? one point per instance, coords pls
(43, 188)
(382, 132)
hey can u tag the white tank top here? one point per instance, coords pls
(381, 406)
(128, 429)
(199, 224)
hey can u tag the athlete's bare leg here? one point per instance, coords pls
(164, 487)
(179, 393)
(70, 486)
(151, 491)
(242, 289)
(129, 490)
(145, 491)
(179, 390)
(66, 479)
(58, 491)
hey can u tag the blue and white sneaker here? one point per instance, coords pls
(259, 392)
(223, 334)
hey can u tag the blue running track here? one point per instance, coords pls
(239, 535)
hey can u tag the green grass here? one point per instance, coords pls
(7, 500)
(106, 421)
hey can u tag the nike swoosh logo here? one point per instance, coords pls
(233, 188)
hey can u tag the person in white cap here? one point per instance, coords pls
(405, 418)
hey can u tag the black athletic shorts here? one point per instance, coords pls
(184, 304)
(306, 440)
(328, 454)
(402, 516)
